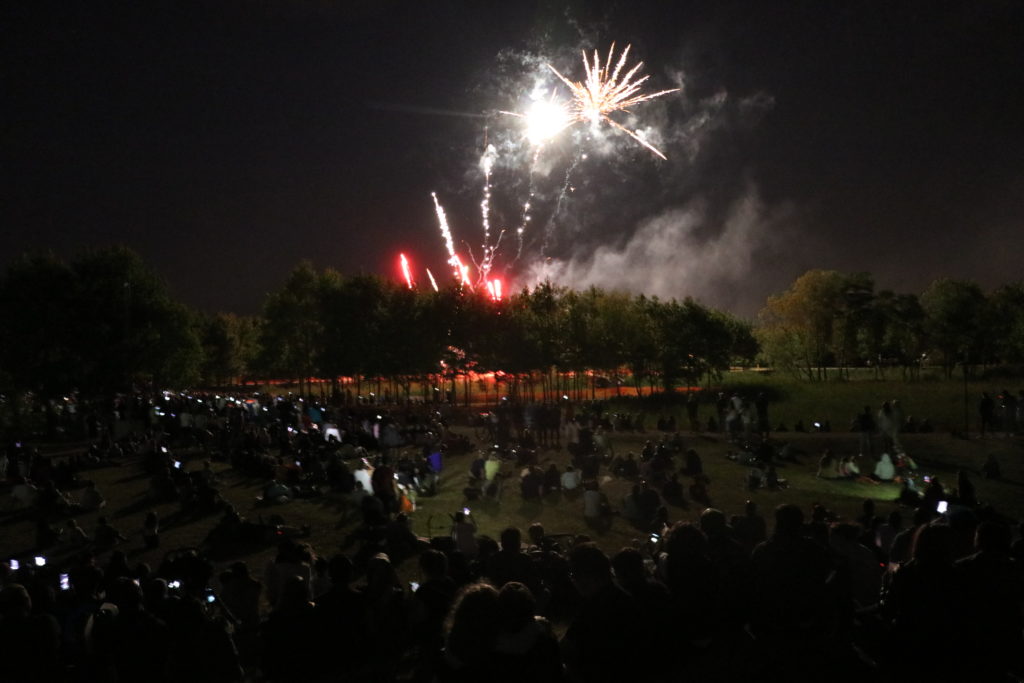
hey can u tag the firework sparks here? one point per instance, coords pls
(595, 99)
(461, 271)
(489, 250)
(546, 119)
(405, 270)
(609, 85)
(603, 92)
(494, 289)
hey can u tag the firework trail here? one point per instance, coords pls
(549, 226)
(532, 190)
(461, 271)
(405, 270)
(489, 250)
(433, 282)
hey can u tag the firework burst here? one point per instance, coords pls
(604, 91)
(609, 86)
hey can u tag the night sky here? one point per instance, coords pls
(226, 141)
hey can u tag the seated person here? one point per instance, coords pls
(552, 478)
(276, 492)
(571, 479)
(694, 465)
(106, 535)
(772, 482)
(632, 506)
(755, 478)
(699, 490)
(672, 491)
(885, 470)
(51, 500)
(596, 511)
(91, 499)
(908, 496)
(630, 467)
(25, 494)
(74, 535)
(991, 468)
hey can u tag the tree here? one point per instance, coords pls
(229, 346)
(955, 314)
(291, 334)
(102, 323)
(1007, 322)
(797, 326)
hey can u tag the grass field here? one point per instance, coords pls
(939, 454)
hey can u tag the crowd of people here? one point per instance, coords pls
(931, 591)
(719, 599)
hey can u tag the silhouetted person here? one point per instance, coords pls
(926, 606)
(29, 642)
(790, 606)
(602, 642)
(993, 595)
(987, 412)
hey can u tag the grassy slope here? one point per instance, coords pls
(937, 453)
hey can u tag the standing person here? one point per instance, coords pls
(598, 644)
(864, 425)
(106, 536)
(885, 427)
(1008, 404)
(994, 593)
(764, 426)
(790, 608)
(722, 408)
(987, 411)
(1020, 408)
(692, 408)
(897, 425)
(151, 531)
(464, 533)
(925, 602)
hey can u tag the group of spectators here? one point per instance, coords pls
(721, 599)
(1003, 412)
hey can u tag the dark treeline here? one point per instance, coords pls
(104, 322)
(831, 319)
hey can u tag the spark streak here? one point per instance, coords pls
(433, 282)
(405, 271)
(487, 162)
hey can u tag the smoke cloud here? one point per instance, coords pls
(674, 255)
